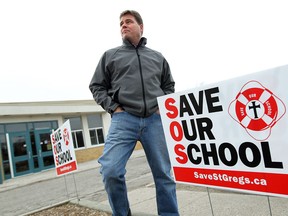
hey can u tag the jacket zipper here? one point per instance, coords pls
(142, 82)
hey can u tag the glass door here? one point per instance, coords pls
(21, 153)
(44, 149)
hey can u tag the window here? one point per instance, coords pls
(4, 148)
(94, 121)
(77, 131)
(78, 139)
(95, 129)
(1, 128)
(42, 125)
(96, 136)
(15, 127)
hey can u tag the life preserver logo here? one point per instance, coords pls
(257, 109)
(66, 136)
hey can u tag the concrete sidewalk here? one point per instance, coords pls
(143, 202)
(192, 200)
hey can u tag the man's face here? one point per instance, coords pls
(130, 29)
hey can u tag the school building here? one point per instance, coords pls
(25, 130)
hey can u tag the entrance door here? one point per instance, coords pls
(21, 153)
(44, 149)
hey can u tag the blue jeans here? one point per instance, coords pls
(125, 130)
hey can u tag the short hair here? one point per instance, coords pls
(134, 13)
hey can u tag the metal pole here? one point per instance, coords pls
(76, 188)
(210, 201)
(66, 187)
(269, 205)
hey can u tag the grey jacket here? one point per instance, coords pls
(131, 77)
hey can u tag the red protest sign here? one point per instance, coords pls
(231, 134)
(63, 149)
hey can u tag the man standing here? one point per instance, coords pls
(126, 83)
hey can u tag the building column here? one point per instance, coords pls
(86, 134)
(106, 119)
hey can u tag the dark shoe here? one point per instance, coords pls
(129, 213)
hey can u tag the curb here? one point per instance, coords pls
(103, 207)
(44, 208)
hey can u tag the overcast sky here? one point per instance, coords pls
(49, 49)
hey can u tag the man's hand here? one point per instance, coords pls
(118, 109)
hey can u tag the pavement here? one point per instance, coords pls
(192, 200)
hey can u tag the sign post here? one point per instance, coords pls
(231, 134)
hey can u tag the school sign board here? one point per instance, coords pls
(63, 149)
(232, 134)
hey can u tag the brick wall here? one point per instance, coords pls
(88, 154)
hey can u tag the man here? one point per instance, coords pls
(126, 83)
